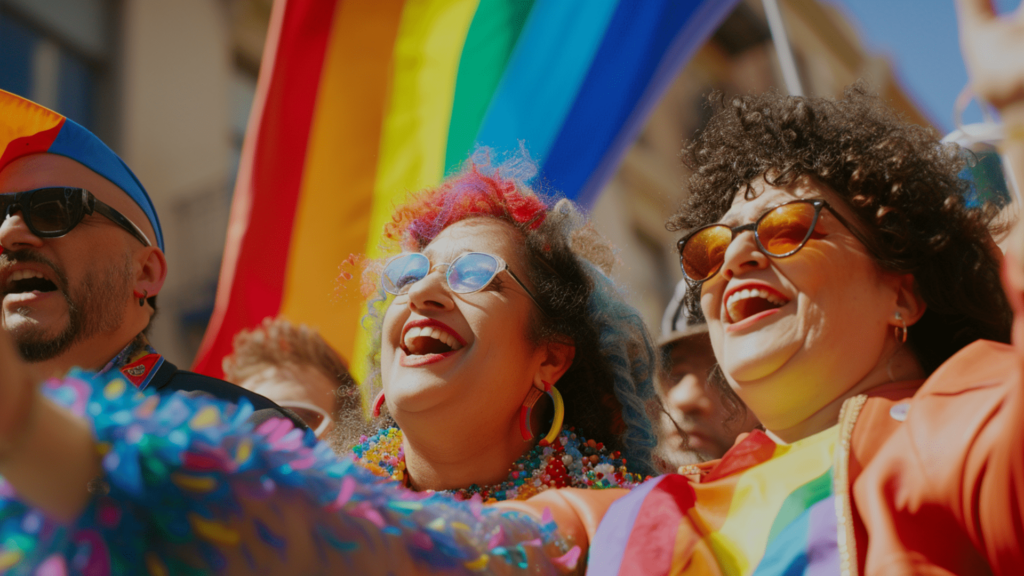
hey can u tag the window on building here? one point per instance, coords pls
(55, 52)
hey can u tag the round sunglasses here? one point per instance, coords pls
(314, 416)
(470, 272)
(53, 212)
(779, 232)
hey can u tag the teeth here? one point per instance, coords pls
(429, 332)
(741, 295)
(22, 275)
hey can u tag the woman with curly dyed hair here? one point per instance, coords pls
(503, 353)
(509, 365)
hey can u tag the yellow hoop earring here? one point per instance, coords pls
(556, 421)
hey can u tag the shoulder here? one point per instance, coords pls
(171, 379)
(964, 411)
(981, 364)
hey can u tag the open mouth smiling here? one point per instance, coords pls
(426, 341)
(743, 303)
(26, 281)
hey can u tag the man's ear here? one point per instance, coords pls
(151, 271)
(557, 359)
(908, 300)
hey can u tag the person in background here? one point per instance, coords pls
(81, 258)
(295, 367)
(701, 419)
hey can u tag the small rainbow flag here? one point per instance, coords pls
(360, 102)
(763, 510)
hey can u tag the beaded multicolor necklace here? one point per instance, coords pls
(571, 461)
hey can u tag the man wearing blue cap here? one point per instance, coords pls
(82, 257)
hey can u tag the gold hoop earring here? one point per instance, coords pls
(900, 331)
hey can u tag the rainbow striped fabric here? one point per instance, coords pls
(361, 101)
(763, 510)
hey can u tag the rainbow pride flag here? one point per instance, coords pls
(762, 510)
(360, 102)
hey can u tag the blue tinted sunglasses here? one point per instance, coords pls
(471, 272)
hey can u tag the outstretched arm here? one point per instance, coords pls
(185, 483)
(993, 50)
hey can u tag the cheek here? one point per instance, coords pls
(710, 297)
(391, 329)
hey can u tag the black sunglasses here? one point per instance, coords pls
(53, 212)
(779, 232)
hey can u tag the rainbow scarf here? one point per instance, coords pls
(361, 101)
(763, 510)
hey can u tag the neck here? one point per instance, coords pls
(90, 354)
(442, 456)
(897, 366)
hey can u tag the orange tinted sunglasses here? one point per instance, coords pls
(779, 232)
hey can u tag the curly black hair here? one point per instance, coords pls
(901, 183)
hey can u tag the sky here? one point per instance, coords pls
(920, 38)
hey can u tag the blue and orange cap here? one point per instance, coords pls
(28, 128)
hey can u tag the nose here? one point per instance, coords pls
(14, 232)
(689, 396)
(431, 293)
(743, 255)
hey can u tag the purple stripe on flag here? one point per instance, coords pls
(609, 545)
(822, 539)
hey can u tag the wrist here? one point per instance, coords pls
(1012, 116)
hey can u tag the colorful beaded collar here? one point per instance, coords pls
(571, 461)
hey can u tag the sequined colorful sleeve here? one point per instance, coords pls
(190, 487)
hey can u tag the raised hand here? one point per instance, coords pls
(17, 397)
(993, 51)
(46, 453)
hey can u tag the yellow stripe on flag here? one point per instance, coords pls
(415, 133)
(740, 542)
(341, 166)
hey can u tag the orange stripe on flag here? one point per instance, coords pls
(341, 165)
(415, 131)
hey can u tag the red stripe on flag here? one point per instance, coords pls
(269, 177)
(652, 540)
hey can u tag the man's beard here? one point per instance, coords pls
(95, 306)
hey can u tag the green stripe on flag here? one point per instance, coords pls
(492, 36)
(800, 500)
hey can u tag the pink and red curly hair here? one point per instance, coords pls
(470, 194)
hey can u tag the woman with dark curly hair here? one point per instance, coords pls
(852, 291)
(503, 353)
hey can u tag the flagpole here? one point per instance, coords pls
(782, 49)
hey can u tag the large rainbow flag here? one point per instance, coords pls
(361, 101)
